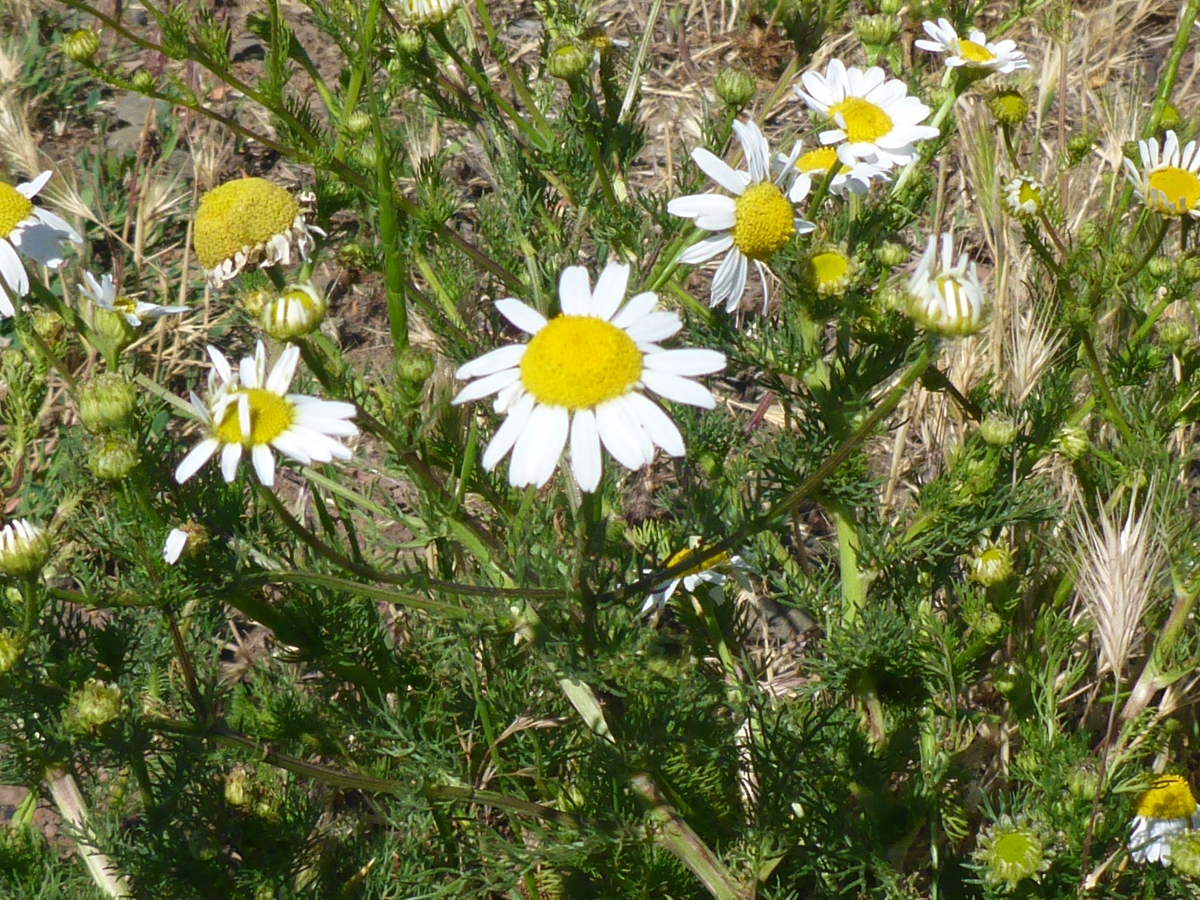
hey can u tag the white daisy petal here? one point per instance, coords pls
(196, 458)
(506, 436)
(681, 390)
(574, 294)
(657, 424)
(586, 464)
(720, 172)
(620, 435)
(490, 363)
(264, 464)
(610, 290)
(523, 316)
(174, 545)
(486, 386)
(706, 249)
(231, 455)
(655, 327)
(13, 269)
(688, 362)
(640, 306)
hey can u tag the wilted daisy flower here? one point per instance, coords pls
(249, 410)
(426, 12)
(714, 570)
(582, 374)
(249, 221)
(816, 164)
(946, 297)
(104, 295)
(24, 548)
(1024, 197)
(1167, 809)
(752, 225)
(874, 115)
(1011, 851)
(1169, 183)
(36, 232)
(976, 53)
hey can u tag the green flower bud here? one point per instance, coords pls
(1170, 118)
(415, 366)
(1120, 262)
(359, 122)
(1174, 334)
(12, 648)
(238, 785)
(1008, 106)
(940, 96)
(1083, 782)
(998, 430)
(1072, 442)
(81, 46)
(367, 155)
(891, 7)
(891, 255)
(991, 564)
(106, 402)
(297, 311)
(93, 706)
(50, 327)
(1090, 235)
(1160, 268)
(1189, 269)
(24, 548)
(735, 86)
(1011, 851)
(876, 32)
(142, 81)
(568, 59)
(112, 456)
(1079, 146)
(112, 332)
(1132, 152)
(1185, 853)
(410, 42)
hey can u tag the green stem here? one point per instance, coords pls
(1151, 252)
(389, 234)
(849, 543)
(518, 84)
(1089, 348)
(1183, 39)
(1151, 319)
(365, 59)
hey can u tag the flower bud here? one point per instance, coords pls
(1160, 268)
(24, 548)
(254, 300)
(1011, 851)
(1072, 442)
(1008, 106)
(359, 122)
(876, 32)
(568, 59)
(238, 785)
(1083, 782)
(891, 255)
(1090, 235)
(112, 333)
(735, 86)
(112, 456)
(415, 366)
(106, 402)
(1170, 118)
(93, 706)
(991, 564)
(829, 272)
(142, 81)
(1189, 269)
(1174, 334)
(297, 311)
(998, 430)
(1078, 148)
(410, 42)
(81, 46)
(12, 648)
(1185, 853)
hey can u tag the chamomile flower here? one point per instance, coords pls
(874, 115)
(248, 221)
(582, 375)
(425, 13)
(248, 410)
(829, 271)
(714, 570)
(1167, 809)
(817, 162)
(1169, 182)
(974, 53)
(104, 295)
(750, 226)
(36, 232)
(945, 296)
(1024, 197)
(1011, 850)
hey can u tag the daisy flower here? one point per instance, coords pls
(713, 570)
(24, 548)
(752, 225)
(855, 178)
(944, 296)
(1023, 197)
(1167, 809)
(1169, 183)
(249, 410)
(36, 232)
(1011, 850)
(975, 53)
(425, 13)
(104, 295)
(874, 115)
(582, 375)
(249, 221)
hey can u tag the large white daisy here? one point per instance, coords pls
(975, 53)
(104, 294)
(1169, 182)
(752, 225)
(583, 374)
(36, 232)
(249, 410)
(874, 115)
(946, 296)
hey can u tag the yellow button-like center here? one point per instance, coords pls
(125, 305)
(1169, 798)
(829, 268)
(14, 209)
(710, 561)
(865, 122)
(1029, 193)
(818, 161)
(270, 416)
(1179, 190)
(1016, 847)
(241, 214)
(763, 221)
(973, 52)
(580, 362)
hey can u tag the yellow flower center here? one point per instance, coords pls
(973, 52)
(865, 122)
(270, 416)
(14, 209)
(1029, 193)
(1169, 798)
(580, 362)
(1016, 847)
(710, 561)
(819, 161)
(125, 305)
(241, 215)
(1180, 190)
(763, 221)
(829, 268)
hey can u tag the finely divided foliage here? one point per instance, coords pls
(570, 559)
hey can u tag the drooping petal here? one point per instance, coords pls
(264, 464)
(706, 249)
(658, 425)
(231, 455)
(511, 429)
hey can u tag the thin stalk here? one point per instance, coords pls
(1151, 318)
(1106, 394)
(849, 543)
(365, 60)
(1183, 39)
(389, 234)
(1151, 252)
(510, 73)
(73, 808)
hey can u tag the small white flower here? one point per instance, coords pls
(36, 232)
(104, 295)
(714, 570)
(874, 115)
(976, 53)
(855, 179)
(1024, 197)
(249, 410)
(1167, 809)
(583, 374)
(754, 224)
(1169, 183)
(944, 296)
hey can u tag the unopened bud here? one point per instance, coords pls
(1072, 442)
(93, 706)
(991, 564)
(1078, 148)
(1170, 118)
(238, 784)
(1174, 334)
(1189, 269)
(568, 59)
(1160, 268)
(359, 122)
(876, 32)
(998, 430)
(81, 46)
(142, 81)
(1008, 106)
(415, 366)
(112, 456)
(12, 648)
(106, 402)
(735, 86)
(24, 548)
(1090, 235)
(891, 255)
(410, 42)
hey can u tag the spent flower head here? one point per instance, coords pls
(974, 52)
(1011, 850)
(36, 232)
(93, 706)
(1024, 197)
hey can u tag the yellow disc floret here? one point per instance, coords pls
(240, 217)
(763, 221)
(270, 416)
(818, 161)
(865, 122)
(1170, 797)
(973, 52)
(14, 209)
(709, 561)
(579, 362)
(1173, 190)
(829, 271)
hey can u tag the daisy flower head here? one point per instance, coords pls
(103, 293)
(36, 232)
(973, 53)
(1011, 850)
(24, 548)
(1169, 182)
(874, 115)
(583, 375)
(712, 569)
(427, 13)
(945, 296)
(1168, 808)
(1024, 197)
(816, 163)
(249, 221)
(750, 226)
(250, 410)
